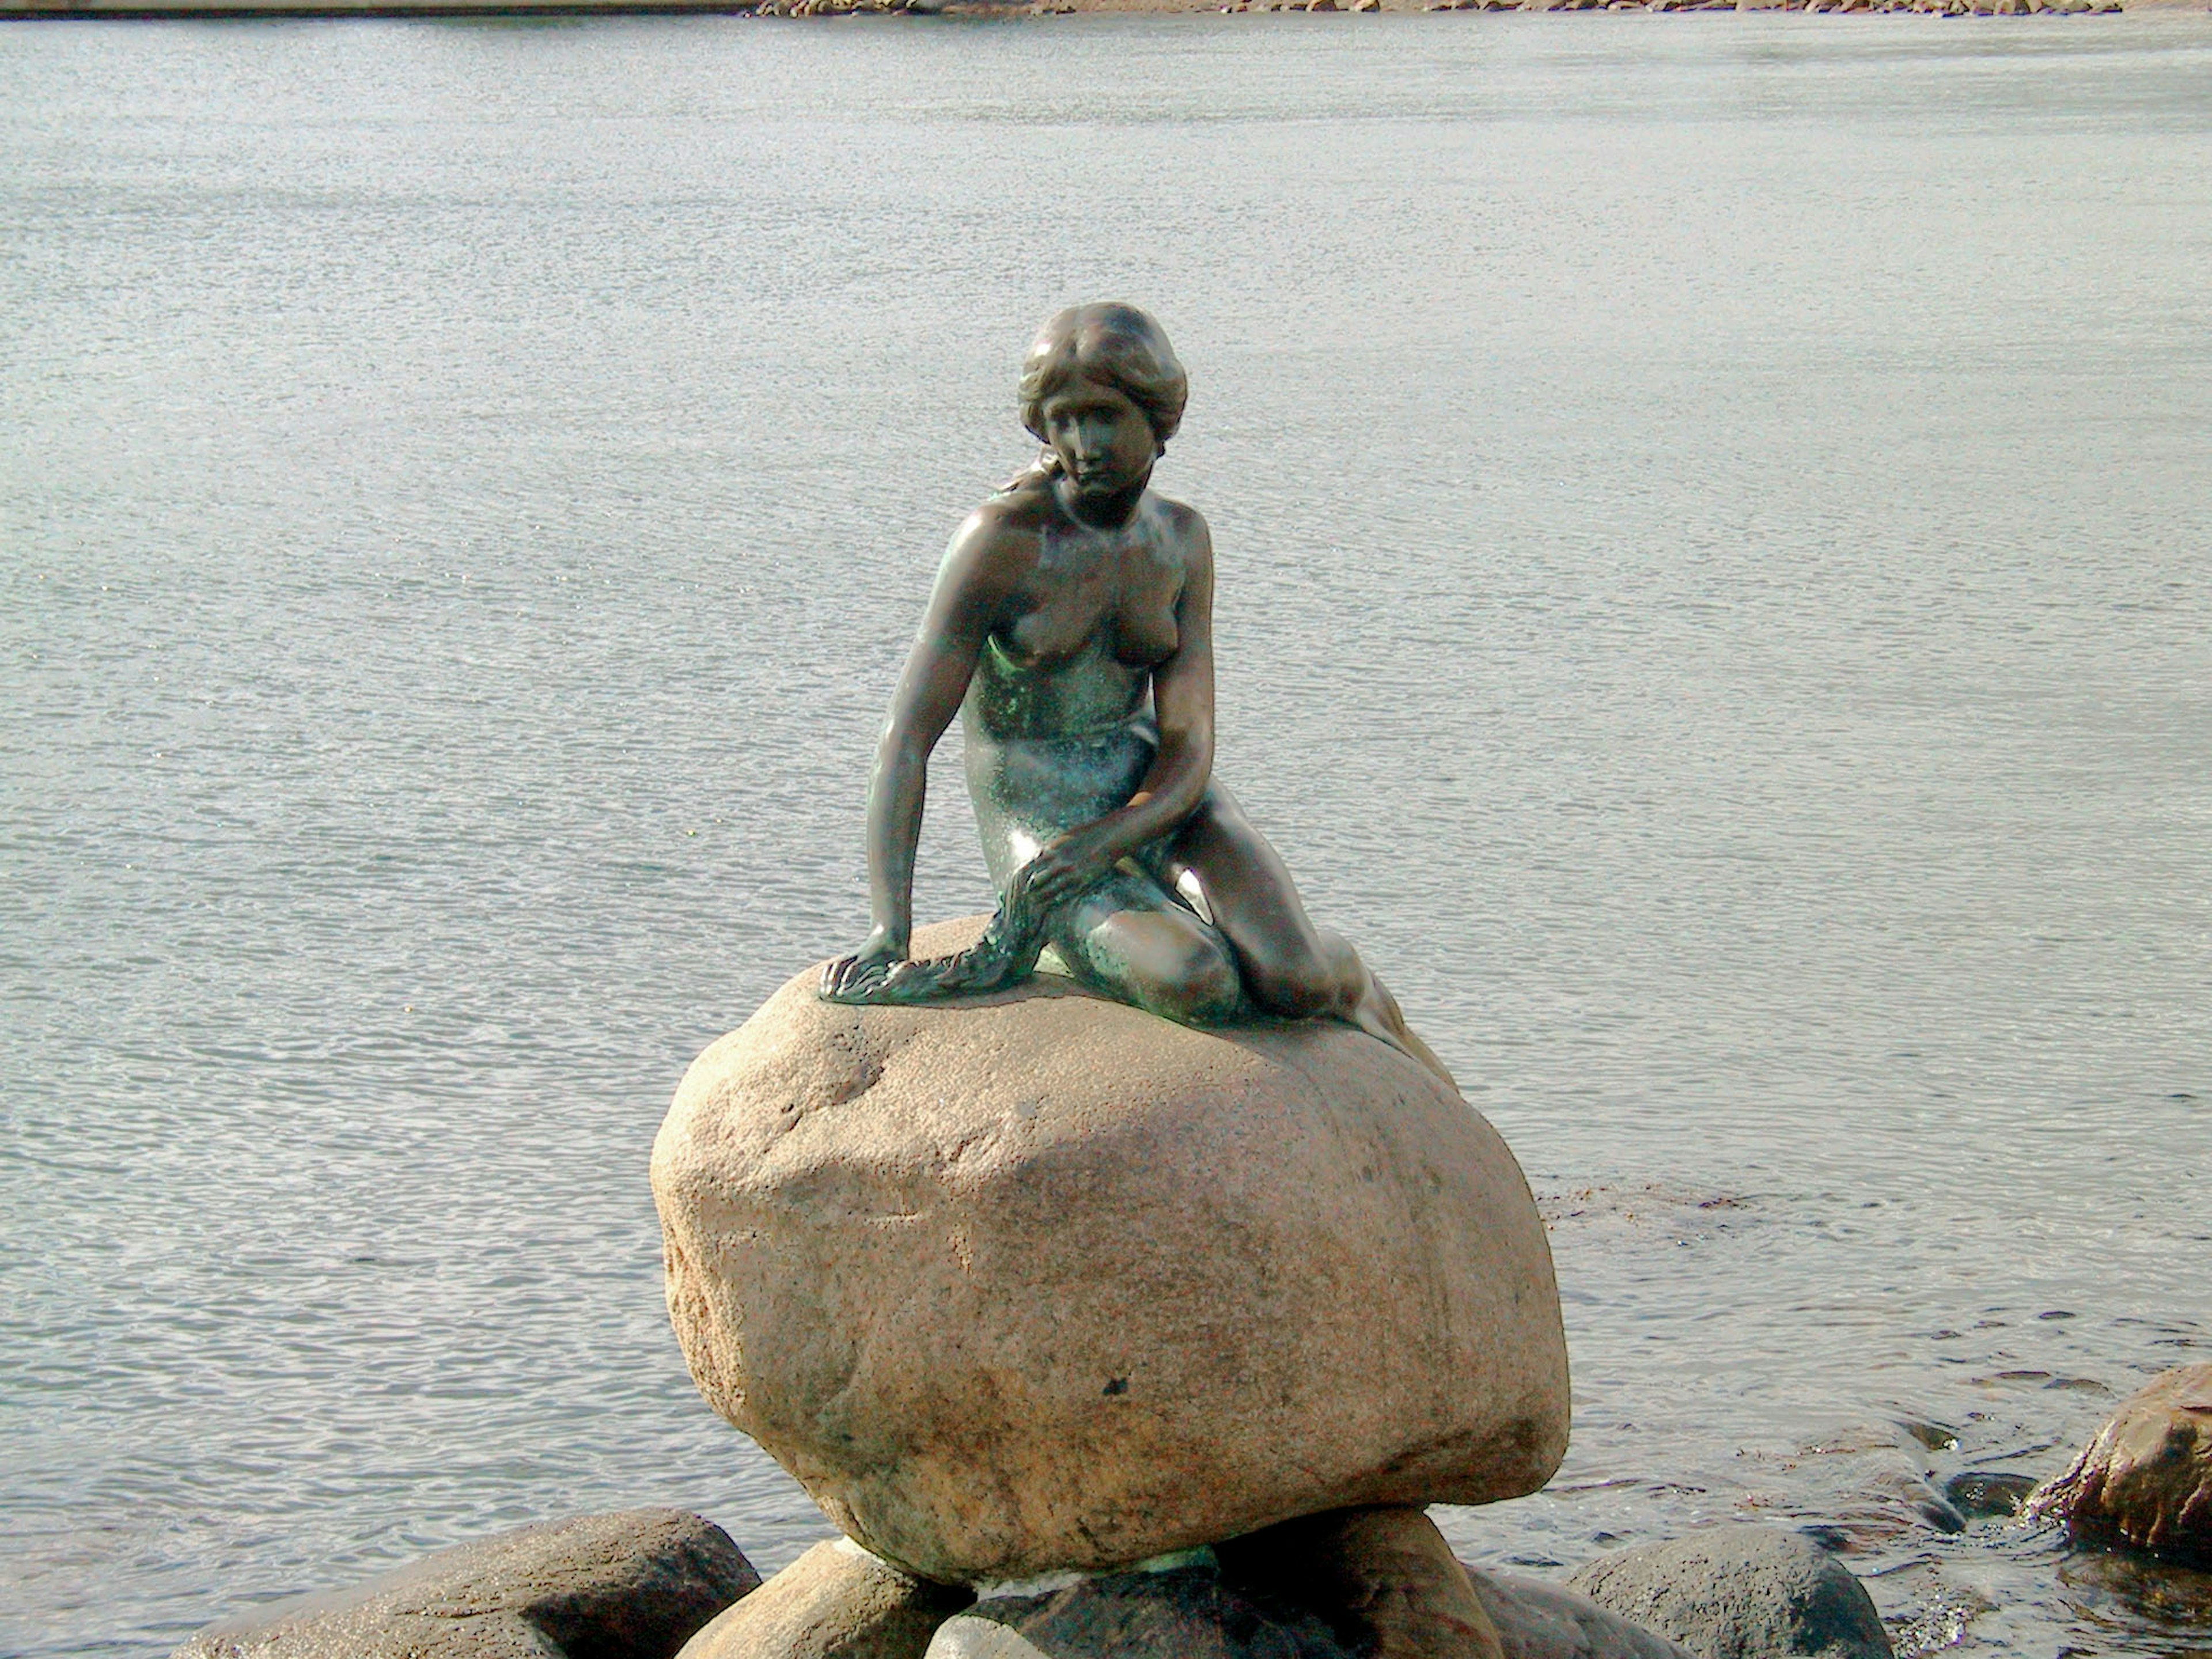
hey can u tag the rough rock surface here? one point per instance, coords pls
(631, 1585)
(1537, 1620)
(1740, 1593)
(836, 1601)
(2146, 1479)
(1042, 1281)
(1382, 1580)
(1186, 1614)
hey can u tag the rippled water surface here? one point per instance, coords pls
(1715, 537)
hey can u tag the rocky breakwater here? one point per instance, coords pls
(1041, 1283)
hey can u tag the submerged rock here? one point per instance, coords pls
(1539, 1620)
(1382, 1580)
(1043, 1281)
(1740, 1593)
(836, 1601)
(2146, 1479)
(1978, 1493)
(635, 1584)
(2171, 1600)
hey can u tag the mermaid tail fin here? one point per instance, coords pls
(1006, 955)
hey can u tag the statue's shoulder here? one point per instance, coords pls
(1013, 515)
(1187, 532)
(1181, 515)
(998, 543)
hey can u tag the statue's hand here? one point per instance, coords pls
(1075, 861)
(871, 965)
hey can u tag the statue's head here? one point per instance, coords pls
(1115, 345)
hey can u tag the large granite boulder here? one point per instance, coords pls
(1740, 1593)
(836, 1601)
(1383, 1579)
(631, 1585)
(1042, 1281)
(2146, 1479)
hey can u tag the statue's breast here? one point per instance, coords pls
(1051, 634)
(1139, 633)
(1144, 632)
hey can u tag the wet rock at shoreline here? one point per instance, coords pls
(635, 1584)
(1740, 1593)
(1539, 1620)
(836, 1601)
(1179, 1613)
(1382, 1580)
(2146, 1481)
(1044, 1281)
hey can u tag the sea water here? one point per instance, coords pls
(1715, 537)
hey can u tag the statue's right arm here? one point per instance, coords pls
(972, 587)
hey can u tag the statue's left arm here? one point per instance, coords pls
(1183, 704)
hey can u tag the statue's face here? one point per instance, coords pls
(1103, 441)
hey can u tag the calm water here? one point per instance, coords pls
(1715, 518)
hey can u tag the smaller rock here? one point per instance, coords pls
(1382, 1580)
(636, 1583)
(1178, 1611)
(836, 1601)
(1979, 1493)
(2146, 1479)
(1537, 1620)
(1740, 1593)
(1900, 1481)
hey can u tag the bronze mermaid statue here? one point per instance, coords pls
(1072, 628)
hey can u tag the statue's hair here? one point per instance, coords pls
(1117, 345)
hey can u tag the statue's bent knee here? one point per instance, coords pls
(1168, 964)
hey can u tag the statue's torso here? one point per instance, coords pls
(1058, 716)
(1095, 616)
